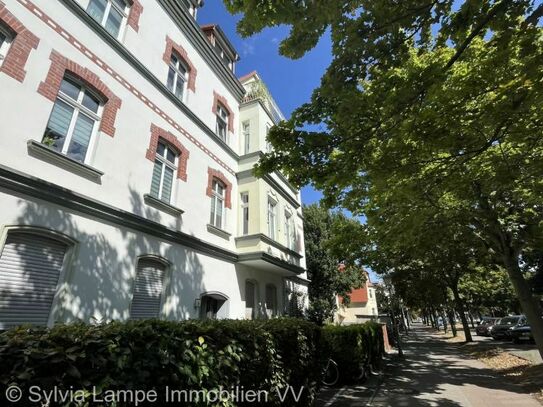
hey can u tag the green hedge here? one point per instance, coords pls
(352, 345)
(210, 355)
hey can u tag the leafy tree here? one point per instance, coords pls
(488, 290)
(326, 280)
(427, 107)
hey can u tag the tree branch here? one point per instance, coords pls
(476, 31)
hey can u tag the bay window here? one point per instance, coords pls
(246, 137)
(272, 218)
(74, 121)
(111, 14)
(164, 171)
(245, 213)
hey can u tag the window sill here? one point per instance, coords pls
(162, 206)
(46, 153)
(219, 232)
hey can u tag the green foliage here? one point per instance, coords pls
(353, 346)
(145, 355)
(431, 118)
(199, 355)
(489, 291)
(324, 237)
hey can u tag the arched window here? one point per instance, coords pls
(177, 76)
(148, 288)
(164, 172)
(271, 301)
(213, 305)
(222, 122)
(74, 121)
(111, 14)
(32, 263)
(217, 203)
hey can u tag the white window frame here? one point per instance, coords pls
(216, 197)
(244, 211)
(4, 47)
(246, 126)
(78, 107)
(173, 166)
(179, 75)
(289, 230)
(124, 12)
(272, 218)
(222, 120)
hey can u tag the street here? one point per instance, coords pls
(434, 372)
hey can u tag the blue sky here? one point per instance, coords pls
(290, 81)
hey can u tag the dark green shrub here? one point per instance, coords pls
(146, 355)
(353, 345)
(283, 357)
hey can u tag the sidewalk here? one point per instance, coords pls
(437, 373)
(432, 373)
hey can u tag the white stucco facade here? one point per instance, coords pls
(102, 209)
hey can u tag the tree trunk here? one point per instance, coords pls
(460, 308)
(434, 318)
(452, 322)
(444, 317)
(528, 303)
(471, 319)
(407, 320)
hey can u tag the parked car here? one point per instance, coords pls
(484, 325)
(502, 328)
(522, 333)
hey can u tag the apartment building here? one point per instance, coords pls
(126, 188)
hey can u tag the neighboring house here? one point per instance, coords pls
(126, 149)
(362, 306)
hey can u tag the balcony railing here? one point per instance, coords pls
(257, 90)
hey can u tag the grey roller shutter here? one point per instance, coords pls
(30, 267)
(147, 289)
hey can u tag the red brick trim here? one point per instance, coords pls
(50, 87)
(23, 42)
(222, 100)
(136, 9)
(216, 174)
(171, 46)
(158, 133)
(114, 75)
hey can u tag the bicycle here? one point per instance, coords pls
(330, 374)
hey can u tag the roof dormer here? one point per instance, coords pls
(193, 6)
(222, 45)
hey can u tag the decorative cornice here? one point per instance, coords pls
(37, 188)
